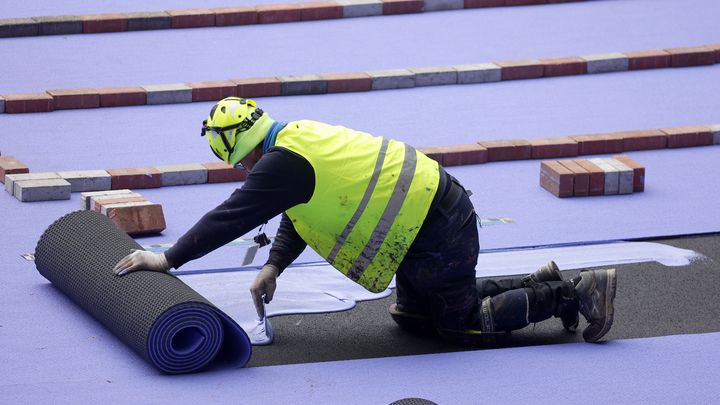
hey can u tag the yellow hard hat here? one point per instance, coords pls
(228, 128)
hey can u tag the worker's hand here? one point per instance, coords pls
(264, 284)
(141, 260)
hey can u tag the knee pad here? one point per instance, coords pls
(506, 311)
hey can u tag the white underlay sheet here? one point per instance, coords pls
(319, 288)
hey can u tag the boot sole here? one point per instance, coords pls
(609, 305)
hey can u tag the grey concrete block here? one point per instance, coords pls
(392, 79)
(107, 207)
(87, 180)
(59, 25)
(42, 190)
(2, 104)
(625, 181)
(438, 5)
(18, 27)
(104, 198)
(434, 76)
(168, 93)
(361, 8)
(11, 179)
(179, 175)
(715, 129)
(148, 21)
(607, 62)
(478, 73)
(86, 198)
(612, 175)
(304, 84)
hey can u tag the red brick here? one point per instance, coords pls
(144, 177)
(682, 137)
(212, 91)
(121, 96)
(346, 82)
(221, 172)
(138, 219)
(75, 98)
(457, 155)
(402, 6)
(716, 48)
(543, 148)
(556, 178)
(638, 172)
(693, 56)
(100, 201)
(581, 177)
(191, 18)
(524, 2)
(598, 144)
(28, 103)
(483, 3)
(521, 69)
(278, 13)
(10, 165)
(433, 152)
(564, 66)
(643, 139)
(258, 87)
(322, 10)
(96, 23)
(597, 176)
(507, 150)
(648, 59)
(243, 15)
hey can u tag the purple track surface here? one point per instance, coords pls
(54, 352)
(357, 44)
(664, 370)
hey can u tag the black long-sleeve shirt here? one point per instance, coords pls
(280, 180)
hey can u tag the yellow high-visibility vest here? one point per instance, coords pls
(371, 197)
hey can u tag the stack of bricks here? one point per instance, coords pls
(588, 177)
(128, 210)
(48, 186)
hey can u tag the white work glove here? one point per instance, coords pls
(264, 285)
(141, 260)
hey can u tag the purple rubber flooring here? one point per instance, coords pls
(54, 352)
(356, 44)
(664, 370)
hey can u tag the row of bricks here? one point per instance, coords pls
(570, 146)
(243, 15)
(127, 209)
(359, 81)
(44, 186)
(49, 186)
(600, 176)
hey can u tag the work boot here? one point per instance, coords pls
(595, 293)
(550, 272)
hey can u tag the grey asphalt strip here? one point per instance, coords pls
(652, 300)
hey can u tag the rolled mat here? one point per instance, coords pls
(164, 320)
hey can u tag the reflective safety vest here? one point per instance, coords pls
(371, 197)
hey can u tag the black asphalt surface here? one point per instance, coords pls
(652, 300)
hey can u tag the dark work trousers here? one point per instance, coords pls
(437, 276)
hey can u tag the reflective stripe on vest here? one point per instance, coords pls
(371, 197)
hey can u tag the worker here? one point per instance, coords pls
(374, 208)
